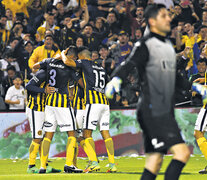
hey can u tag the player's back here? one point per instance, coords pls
(94, 77)
(58, 75)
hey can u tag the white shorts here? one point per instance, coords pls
(201, 122)
(96, 115)
(79, 119)
(59, 116)
(36, 121)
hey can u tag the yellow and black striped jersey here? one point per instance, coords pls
(78, 99)
(35, 89)
(58, 76)
(94, 78)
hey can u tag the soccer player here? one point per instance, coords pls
(97, 110)
(35, 113)
(155, 60)
(58, 111)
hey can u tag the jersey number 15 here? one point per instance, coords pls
(99, 79)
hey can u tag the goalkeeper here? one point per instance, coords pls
(155, 60)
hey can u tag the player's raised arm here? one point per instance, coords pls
(36, 66)
(68, 57)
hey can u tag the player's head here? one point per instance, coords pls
(72, 52)
(84, 53)
(158, 19)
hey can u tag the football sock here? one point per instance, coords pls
(70, 148)
(202, 143)
(82, 144)
(110, 149)
(75, 155)
(174, 170)
(33, 149)
(44, 152)
(89, 143)
(147, 175)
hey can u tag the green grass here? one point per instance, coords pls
(129, 168)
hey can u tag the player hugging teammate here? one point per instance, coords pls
(89, 89)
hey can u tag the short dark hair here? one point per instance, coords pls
(10, 67)
(72, 50)
(152, 11)
(201, 60)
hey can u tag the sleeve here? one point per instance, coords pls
(34, 84)
(79, 63)
(138, 58)
(76, 75)
(33, 59)
(43, 64)
(8, 94)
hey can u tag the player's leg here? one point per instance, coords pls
(110, 150)
(80, 118)
(45, 151)
(152, 165)
(200, 128)
(104, 128)
(36, 120)
(181, 155)
(50, 126)
(67, 123)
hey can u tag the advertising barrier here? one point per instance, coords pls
(15, 136)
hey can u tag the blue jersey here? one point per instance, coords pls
(58, 76)
(94, 78)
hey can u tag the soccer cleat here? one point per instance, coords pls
(42, 171)
(71, 169)
(32, 170)
(113, 86)
(112, 168)
(92, 166)
(49, 169)
(203, 171)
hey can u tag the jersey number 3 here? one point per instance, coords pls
(99, 78)
(52, 80)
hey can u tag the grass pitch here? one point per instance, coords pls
(129, 168)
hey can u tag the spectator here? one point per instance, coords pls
(107, 62)
(114, 26)
(79, 42)
(49, 24)
(135, 22)
(4, 34)
(22, 53)
(17, 31)
(79, 22)
(93, 39)
(201, 66)
(137, 35)
(122, 48)
(7, 80)
(94, 55)
(36, 9)
(9, 22)
(45, 51)
(9, 59)
(15, 95)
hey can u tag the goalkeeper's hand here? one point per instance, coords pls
(201, 89)
(113, 86)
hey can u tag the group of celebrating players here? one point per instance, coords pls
(50, 106)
